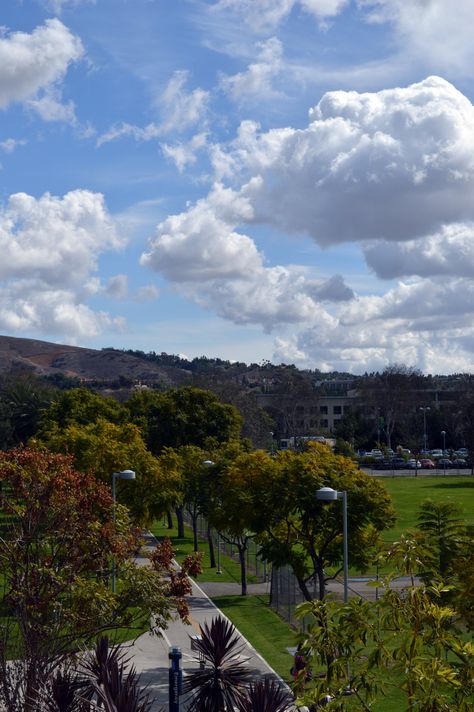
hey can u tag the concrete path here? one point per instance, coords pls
(149, 653)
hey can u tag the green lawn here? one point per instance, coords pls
(409, 492)
(230, 568)
(269, 635)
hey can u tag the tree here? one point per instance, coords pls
(183, 416)
(294, 528)
(221, 684)
(444, 532)
(391, 395)
(57, 540)
(408, 639)
(105, 447)
(79, 406)
(23, 401)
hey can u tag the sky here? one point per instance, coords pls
(290, 180)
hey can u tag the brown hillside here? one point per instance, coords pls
(45, 358)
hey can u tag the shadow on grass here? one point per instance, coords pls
(454, 485)
(253, 601)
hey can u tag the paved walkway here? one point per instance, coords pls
(149, 653)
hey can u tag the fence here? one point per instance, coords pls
(255, 566)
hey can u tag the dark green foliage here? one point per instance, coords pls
(183, 416)
(79, 406)
(444, 531)
(23, 401)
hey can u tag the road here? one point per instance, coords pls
(149, 653)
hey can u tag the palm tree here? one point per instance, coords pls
(266, 696)
(221, 684)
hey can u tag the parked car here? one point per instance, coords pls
(459, 462)
(444, 462)
(437, 453)
(398, 463)
(427, 464)
(462, 452)
(382, 465)
(413, 464)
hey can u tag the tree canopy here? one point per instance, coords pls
(183, 416)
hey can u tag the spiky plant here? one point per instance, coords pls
(65, 691)
(221, 684)
(266, 695)
(115, 688)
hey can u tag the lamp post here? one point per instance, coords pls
(210, 463)
(327, 494)
(123, 475)
(425, 440)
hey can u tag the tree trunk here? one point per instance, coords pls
(212, 555)
(243, 568)
(304, 589)
(169, 517)
(179, 516)
(321, 580)
(195, 532)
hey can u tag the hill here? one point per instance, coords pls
(44, 358)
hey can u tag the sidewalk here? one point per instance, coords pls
(149, 653)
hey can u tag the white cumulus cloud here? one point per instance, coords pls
(50, 248)
(33, 62)
(392, 171)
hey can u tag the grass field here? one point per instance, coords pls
(409, 492)
(230, 568)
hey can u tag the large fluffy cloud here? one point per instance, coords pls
(392, 171)
(32, 62)
(50, 248)
(395, 165)
(423, 323)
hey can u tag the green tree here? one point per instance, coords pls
(407, 640)
(105, 447)
(79, 406)
(444, 532)
(183, 416)
(234, 498)
(23, 401)
(296, 529)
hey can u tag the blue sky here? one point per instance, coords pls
(289, 180)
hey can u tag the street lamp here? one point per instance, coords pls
(327, 494)
(424, 409)
(123, 475)
(210, 463)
